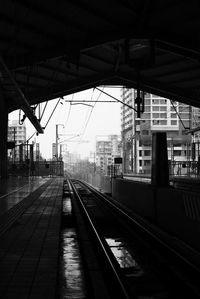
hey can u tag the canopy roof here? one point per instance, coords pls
(53, 48)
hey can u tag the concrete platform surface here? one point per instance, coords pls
(14, 189)
(29, 242)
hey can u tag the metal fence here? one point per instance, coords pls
(184, 168)
(39, 168)
(176, 168)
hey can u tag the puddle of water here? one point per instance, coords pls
(67, 206)
(72, 281)
(115, 242)
(124, 257)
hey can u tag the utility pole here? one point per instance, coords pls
(60, 156)
(57, 137)
(57, 142)
(14, 151)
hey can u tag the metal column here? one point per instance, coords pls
(3, 137)
(159, 169)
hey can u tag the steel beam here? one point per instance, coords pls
(21, 100)
(162, 89)
(75, 86)
(180, 50)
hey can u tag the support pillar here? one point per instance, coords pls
(159, 168)
(3, 137)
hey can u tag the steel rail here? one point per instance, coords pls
(164, 246)
(121, 287)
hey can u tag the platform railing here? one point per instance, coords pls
(39, 168)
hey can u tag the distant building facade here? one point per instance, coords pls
(108, 147)
(16, 133)
(160, 114)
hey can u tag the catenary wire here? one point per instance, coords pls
(90, 115)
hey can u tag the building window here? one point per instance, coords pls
(155, 108)
(163, 101)
(147, 152)
(146, 116)
(155, 115)
(147, 109)
(163, 115)
(163, 108)
(163, 122)
(137, 122)
(173, 115)
(184, 108)
(177, 153)
(173, 122)
(172, 108)
(187, 124)
(147, 102)
(155, 101)
(184, 115)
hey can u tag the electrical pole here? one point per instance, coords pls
(57, 137)
(14, 151)
(57, 142)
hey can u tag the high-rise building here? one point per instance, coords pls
(127, 128)
(160, 114)
(108, 147)
(196, 122)
(16, 133)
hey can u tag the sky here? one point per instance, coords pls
(74, 119)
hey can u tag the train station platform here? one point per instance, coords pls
(30, 221)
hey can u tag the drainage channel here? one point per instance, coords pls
(71, 276)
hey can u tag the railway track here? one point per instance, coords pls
(136, 262)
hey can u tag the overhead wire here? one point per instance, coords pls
(86, 116)
(177, 114)
(52, 112)
(69, 112)
(86, 124)
(87, 113)
(85, 121)
(30, 137)
(44, 110)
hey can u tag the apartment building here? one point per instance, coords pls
(108, 147)
(16, 133)
(159, 114)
